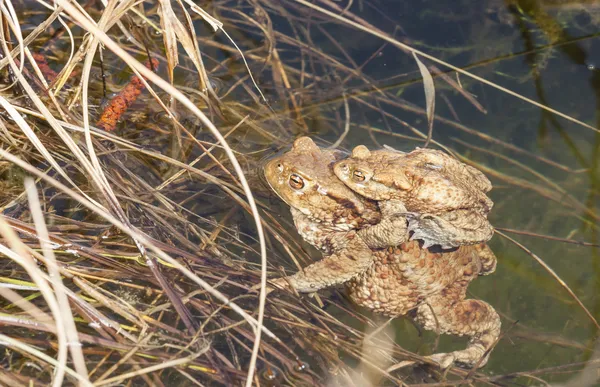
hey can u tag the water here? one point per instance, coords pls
(544, 167)
(548, 186)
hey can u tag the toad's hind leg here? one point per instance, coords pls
(450, 229)
(343, 265)
(450, 313)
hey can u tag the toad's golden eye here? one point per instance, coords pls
(358, 175)
(296, 182)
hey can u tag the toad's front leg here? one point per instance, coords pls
(391, 231)
(340, 267)
(449, 313)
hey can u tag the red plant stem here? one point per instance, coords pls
(42, 63)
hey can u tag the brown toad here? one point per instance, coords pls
(431, 288)
(328, 215)
(446, 199)
(428, 285)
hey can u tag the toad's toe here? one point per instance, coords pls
(428, 238)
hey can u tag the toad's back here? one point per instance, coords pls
(403, 277)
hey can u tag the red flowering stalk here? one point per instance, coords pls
(122, 101)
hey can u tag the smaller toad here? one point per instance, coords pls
(445, 198)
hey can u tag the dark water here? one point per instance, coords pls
(543, 167)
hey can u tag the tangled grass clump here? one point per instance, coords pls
(129, 255)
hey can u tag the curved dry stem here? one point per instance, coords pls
(59, 288)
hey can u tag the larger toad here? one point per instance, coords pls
(329, 216)
(446, 199)
(408, 279)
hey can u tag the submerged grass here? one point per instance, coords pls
(128, 257)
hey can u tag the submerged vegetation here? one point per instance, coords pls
(135, 226)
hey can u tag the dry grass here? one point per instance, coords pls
(128, 257)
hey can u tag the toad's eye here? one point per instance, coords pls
(279, 167)
(358, 175)
(296, 182)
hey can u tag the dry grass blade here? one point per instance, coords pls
(58, 286)
(167, 19)
(556, 277)
(340, 139)
(429, 87)
(18, 119)
(175, 31)
(548, 237)
(102, 182)
(217, 25)
(31, 37)
(48, 115)
(167, 364)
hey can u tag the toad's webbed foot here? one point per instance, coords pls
(451, 229)
(468, 357)
(487, 258)
(392, 230)
(343, 265)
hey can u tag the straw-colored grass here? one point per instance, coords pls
(129, 257)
